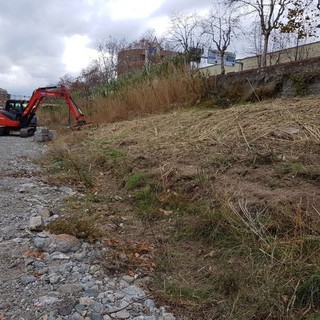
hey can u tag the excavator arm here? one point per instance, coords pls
(56, 91)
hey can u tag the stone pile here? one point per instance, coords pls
(71, 285)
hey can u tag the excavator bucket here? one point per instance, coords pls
(81, 126)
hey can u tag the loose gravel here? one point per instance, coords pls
(52, 277)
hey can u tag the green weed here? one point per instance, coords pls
(208, 226)
(177, 290)
(292, 168)
(143, 190)
(106, 157)
(181, 206)
(223, 161)
(71, 165)
(298, 169)
(137, 180)
(110, 153)
(308, 292)
(83, 227)
(274, 184)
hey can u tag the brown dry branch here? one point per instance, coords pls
(251, 220)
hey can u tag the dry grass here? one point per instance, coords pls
(227, 197)
(161, 95)
(178, 131)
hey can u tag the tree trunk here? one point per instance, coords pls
(296, 50)
(265, 50)
(223, 69)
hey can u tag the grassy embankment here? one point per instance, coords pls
(220, 206)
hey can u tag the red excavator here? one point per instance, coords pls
(22, 118)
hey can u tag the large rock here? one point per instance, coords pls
(36, 223)
(44, 134)
(58, 242)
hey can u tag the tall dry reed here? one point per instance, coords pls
(154, 94)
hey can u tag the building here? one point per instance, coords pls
(310, 50)
(140, 56)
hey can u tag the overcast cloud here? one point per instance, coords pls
(40, 41)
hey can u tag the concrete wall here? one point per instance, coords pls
(216, 69)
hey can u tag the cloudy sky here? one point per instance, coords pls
(40, 41)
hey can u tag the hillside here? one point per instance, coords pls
(219, 206)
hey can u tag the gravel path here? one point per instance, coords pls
(50, 277)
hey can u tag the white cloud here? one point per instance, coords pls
(41, 41)
(17, 78)
(128, 9)
(159, 24)
(77, 55)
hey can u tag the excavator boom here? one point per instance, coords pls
(57, 91)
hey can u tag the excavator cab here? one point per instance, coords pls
(15, 106)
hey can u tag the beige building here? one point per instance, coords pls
(306, 51)
(216, 69)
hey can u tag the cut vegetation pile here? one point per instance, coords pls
(220, 206)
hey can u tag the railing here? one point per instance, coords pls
(19, 97)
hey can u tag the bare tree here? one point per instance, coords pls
(185, 32)
(297, 25)
(288, 47)
(108, 50)
(220, 26)
(148, 37)
(253, 39)
(89, 78)
(277, 43)
(67, 80)
(151, 36)
(269, 13)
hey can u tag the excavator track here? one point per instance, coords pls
(27, 132)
